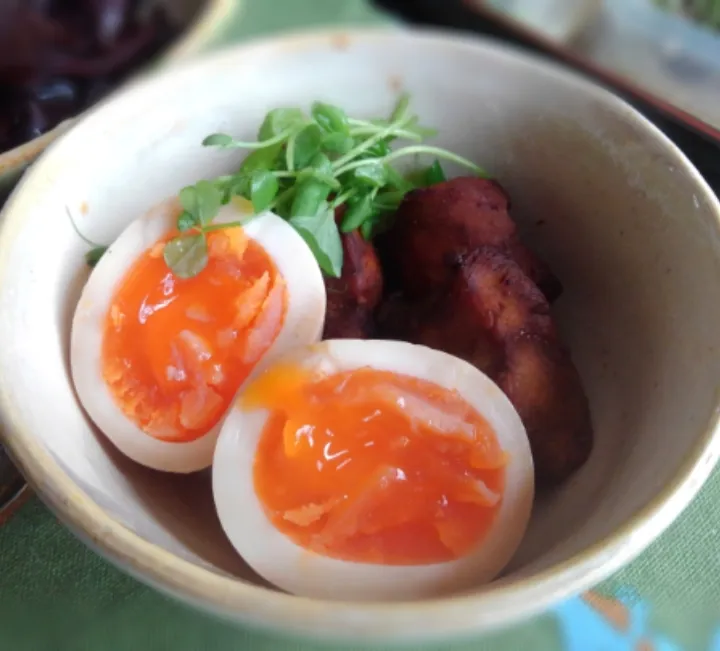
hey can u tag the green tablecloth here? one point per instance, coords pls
(56, 595)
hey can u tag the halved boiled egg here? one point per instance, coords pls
(363, 470)
(156, 359)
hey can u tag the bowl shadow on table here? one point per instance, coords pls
(620, 314)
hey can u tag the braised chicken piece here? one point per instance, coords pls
(432, 323)
(492, 315)
(352, 298)
(436, 227)
(543, 384)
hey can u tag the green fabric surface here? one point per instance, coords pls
(57, 595)
(262, 17)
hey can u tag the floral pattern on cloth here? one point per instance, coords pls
(595, 622)
(57, 595)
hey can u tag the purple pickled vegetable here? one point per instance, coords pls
(59, 56)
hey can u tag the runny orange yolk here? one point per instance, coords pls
(176, 350)
(373, 466)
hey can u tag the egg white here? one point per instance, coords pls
(294, 569)
(303, 324)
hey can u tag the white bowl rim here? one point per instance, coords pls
(411, 621)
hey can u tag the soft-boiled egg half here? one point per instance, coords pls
(157, 359)
(360, 470)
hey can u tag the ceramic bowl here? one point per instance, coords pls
(626, 222)
(206, 22)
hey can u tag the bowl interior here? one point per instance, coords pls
(628, 227)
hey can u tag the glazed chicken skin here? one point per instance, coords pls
(436, 226)
(492, 315)
(353, 297)
(537, 373)
(543, 384)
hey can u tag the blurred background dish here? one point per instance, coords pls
(561, 20)
(58, 57)
(668, 50)
(660, 49)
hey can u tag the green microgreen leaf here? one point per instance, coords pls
(417, 150)
(202, 201)
(222, 140)
(366, 145)
(187, 255)
(290, 152)
(295, 165)
(378, 223)
(283, 204)
(264, 187)
(309, 197)
(435, 174)
(280, 121)
(337, 143)
(409, 131)
(321, 234)
(359, 209)
(331, 119)
(388, 201)
(227, 194)
(186, 221)
(366, 230)
(444, 154)
(92, 257)
(340, 199)
(320, 169)
(188, 199)
(307, 144)
(405, 134)
(310, 173)
(321, 163)
(241, 186)
(427, 176)
(209, 199)
(396, 181)
(372, 174)
(378, 150)
(262, 159)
